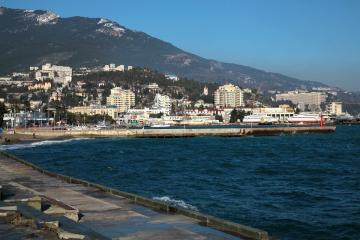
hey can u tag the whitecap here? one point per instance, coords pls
(176, 203)
(38, 144)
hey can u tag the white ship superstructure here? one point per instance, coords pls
(260, 119)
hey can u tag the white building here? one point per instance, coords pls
(200, 103)
(229, 96)
(153, 87)
(113, 68)
(162, 102)
(335, 108)
(123, 99)
(60, 74)
(20, 74)
(172, 77)
(281, 113)
(110, 68)
(303, 99)
(33, 68)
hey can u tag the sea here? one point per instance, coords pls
(296, 187)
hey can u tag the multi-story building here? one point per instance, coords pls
(111, 111)
(303, 99)
(162, 102)
(121, 98)
(335, 108)
(113, 68)
(229, 96)
(60, 74)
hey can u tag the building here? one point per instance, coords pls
(229, 96)
(122, 99)
(33, 68)
(282, 113)
(20, 75)
(172, 77)
(91, 110)
(311, 100)
(335, 108)
(201, 104)
(206, 91)
(153, 87)
(113, 68)
(163, 103)
(60, 74)
(40, 86)
(26, 119)
(56, 96)
(35, 105)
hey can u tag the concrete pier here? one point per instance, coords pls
(185, 132)
(73, 208)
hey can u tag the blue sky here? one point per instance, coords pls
(308, 39)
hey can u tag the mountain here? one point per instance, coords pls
(31, 38)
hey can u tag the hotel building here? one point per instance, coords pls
(303, 98)
(122, 99)
(229, 96)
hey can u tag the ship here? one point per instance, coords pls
(305, 118)
(160, 126)
(260, 119)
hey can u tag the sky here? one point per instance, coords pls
(315, 40)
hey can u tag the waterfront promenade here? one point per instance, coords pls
(177, 132)
(99, 212)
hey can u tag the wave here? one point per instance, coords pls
(176, 203)
(38, 144)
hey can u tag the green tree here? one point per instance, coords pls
(75, 119)
(237, 115)
(219, 118)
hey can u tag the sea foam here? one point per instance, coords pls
(176, 203)
(38, 144)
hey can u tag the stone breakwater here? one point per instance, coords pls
(186, 132)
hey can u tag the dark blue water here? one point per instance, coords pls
(293, 186)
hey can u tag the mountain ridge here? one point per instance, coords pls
(33, 37)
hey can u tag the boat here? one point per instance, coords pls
(305, 118)
(260, 119)
(160, 125)
(346, 117)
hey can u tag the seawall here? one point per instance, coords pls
(186, 132)
(105, 207)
